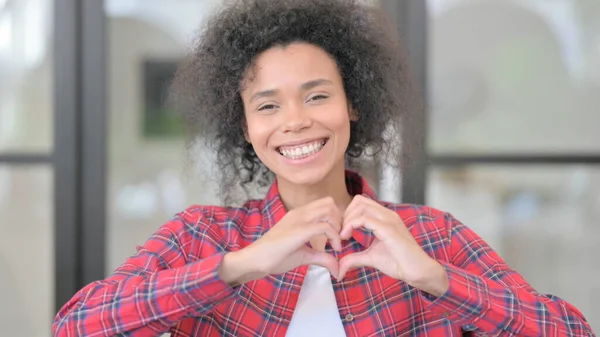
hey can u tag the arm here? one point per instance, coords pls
(488, 297)
(152, 290)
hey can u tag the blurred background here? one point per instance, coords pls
(92, 161)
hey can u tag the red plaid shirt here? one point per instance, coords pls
(172, 284)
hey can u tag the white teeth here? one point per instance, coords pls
(302, 151)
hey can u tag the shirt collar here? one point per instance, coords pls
(273, 208)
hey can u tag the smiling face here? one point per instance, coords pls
(297, 113)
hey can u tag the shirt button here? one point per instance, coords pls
(349, 318)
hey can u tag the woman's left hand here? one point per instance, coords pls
(394, 251)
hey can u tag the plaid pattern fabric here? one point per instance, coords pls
(171, 284)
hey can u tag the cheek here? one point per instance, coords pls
(257, 131)
(343, 129)
(340, 122)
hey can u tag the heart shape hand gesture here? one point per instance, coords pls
(394, 251)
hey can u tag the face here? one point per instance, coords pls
(297, 113)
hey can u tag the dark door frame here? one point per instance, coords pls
(79, 157)
(410, 18)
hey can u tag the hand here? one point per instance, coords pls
(284, 247)
(394, 251)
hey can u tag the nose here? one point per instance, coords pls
(295, 119)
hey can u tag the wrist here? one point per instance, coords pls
(434, 280)
(236, 268)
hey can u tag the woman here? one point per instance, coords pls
(297, 89)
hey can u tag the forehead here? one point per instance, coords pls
(295, 62)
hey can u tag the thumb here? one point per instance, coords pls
(355, 260)
(321, 259)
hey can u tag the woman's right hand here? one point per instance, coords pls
(284, 247)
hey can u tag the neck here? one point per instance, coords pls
(333, 185)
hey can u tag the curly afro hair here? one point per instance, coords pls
(359, 37)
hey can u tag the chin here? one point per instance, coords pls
(307, 176)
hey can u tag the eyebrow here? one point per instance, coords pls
(315, 83)
(305, 86)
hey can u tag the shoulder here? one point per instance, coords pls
(423, 218)
(436, 231)
(203, 230)
(216, 216)
(217, 223)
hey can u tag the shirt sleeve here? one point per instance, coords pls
(487, 297)
(154, 289)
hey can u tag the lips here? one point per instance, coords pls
(299, 151)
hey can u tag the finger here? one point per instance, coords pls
(354, 205)
(325, 211)
(360, 259)
(333, 219)
(352, 222)
(333, 235)
(360, 199)
(325, 228)
(321, 259)
(357, 210)
(349, 225)
(352, 214)
(362, 221)
(363, 205)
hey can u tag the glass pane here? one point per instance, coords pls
(26, 250)
(543, 220)
(26, 102)
(528, 86)
(148, 180)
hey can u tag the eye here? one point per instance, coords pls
(267, 107)
(318, 97)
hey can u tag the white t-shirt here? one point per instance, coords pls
(316, 312)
